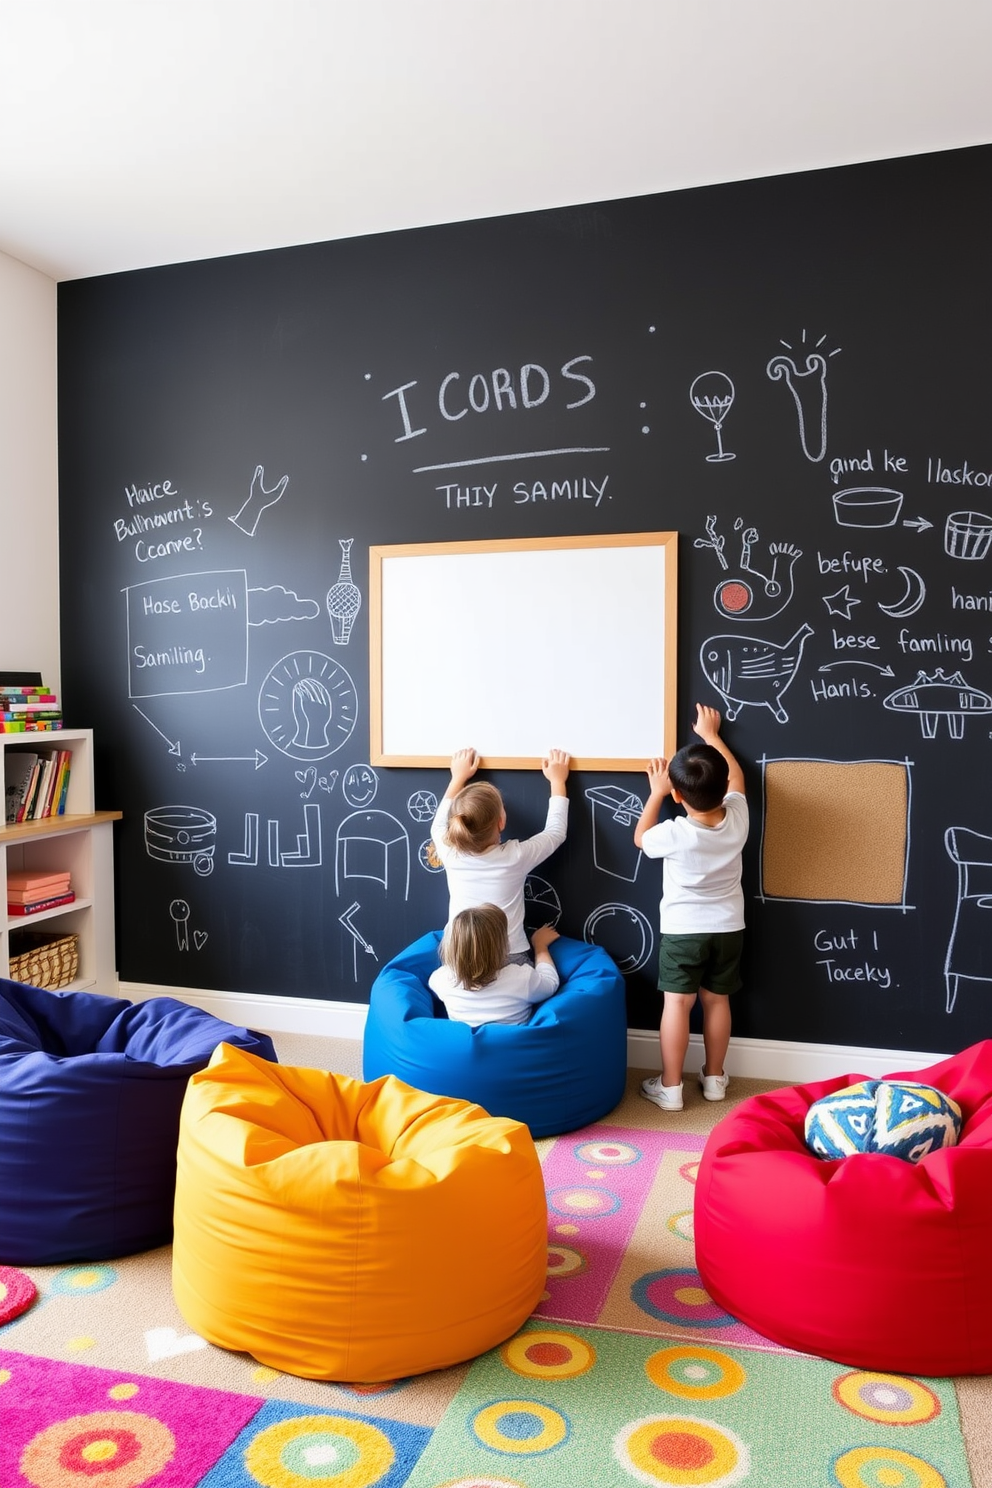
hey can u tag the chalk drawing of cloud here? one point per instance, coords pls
(269, 606)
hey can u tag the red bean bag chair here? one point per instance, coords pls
(867, 1260)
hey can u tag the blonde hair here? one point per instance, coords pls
(473, 822)
(475, 946)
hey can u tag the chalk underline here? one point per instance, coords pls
(579, 449)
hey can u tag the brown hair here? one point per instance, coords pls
(473, 823)
(475, 946)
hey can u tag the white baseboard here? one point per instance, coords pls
(262, 1011)
(755, 1059)
(770, 1059)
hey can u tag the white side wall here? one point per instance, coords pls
(29, 559)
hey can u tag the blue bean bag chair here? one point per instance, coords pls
(90, 1093)
(566, 1067)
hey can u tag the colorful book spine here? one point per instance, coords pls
(61, 788)
(27, 805)
(29, 711)
(40, 904)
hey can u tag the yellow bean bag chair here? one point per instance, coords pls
(344, 1231)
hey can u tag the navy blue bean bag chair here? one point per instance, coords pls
(90, 1093)
(565, 1067)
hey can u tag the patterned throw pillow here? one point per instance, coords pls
(902, 1118)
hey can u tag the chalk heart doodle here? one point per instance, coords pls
(309, 779)
(308, 705)
(748, 671)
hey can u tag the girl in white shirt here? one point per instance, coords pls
(480, 867)
(477, 984)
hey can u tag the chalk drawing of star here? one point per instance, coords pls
(841, 603)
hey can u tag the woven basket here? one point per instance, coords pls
(43, 960)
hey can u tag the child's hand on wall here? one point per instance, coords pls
(707, 724)
(554, 767)
(464, 763)
(543, 936)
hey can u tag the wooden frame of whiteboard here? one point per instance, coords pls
(643, 624)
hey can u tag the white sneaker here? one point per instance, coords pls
(668, 1097)
(714, 1087)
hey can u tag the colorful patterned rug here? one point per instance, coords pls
(620, 1242)
(552, 1408)
(625, 1375)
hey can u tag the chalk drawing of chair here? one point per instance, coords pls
(971, 934)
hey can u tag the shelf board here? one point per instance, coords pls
(48, 826)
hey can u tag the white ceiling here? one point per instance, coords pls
(138, 132)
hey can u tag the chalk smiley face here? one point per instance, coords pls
(359, 785)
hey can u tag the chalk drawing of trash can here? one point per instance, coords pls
(614, 816)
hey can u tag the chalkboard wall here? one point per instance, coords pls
(791, 373)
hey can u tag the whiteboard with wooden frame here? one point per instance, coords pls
(517, 646)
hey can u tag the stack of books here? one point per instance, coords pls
(28, 708)
(31, 890)
(36, 783)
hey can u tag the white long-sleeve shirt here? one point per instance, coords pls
(497, 876)
(508, 999)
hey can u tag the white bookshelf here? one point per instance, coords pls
(80, 840)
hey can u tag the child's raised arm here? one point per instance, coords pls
(464, 763)
(554, 767)
(660, 787)
(707, 726)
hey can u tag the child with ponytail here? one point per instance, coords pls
(481, 868)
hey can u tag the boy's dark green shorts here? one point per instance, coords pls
(688, 962)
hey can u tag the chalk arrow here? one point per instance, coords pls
(886, 671)
(258, 757)
(920, 523)
(173, 747)
(345, 920)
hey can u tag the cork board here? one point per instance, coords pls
(836, 831)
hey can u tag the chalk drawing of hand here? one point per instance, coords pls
(311, 713)
(259, 500)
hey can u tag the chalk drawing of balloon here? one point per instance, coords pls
(712, 394)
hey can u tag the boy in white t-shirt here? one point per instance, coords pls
(702, 903)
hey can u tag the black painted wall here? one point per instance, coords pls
(231, 429)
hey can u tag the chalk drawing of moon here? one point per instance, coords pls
(916, 593)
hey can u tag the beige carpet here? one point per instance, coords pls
(122, 1316)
